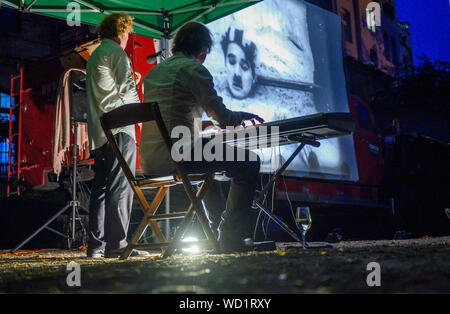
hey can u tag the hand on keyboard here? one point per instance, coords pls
(247, 116)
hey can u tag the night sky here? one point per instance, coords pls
(429, 25)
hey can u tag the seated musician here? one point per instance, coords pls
(184, 89)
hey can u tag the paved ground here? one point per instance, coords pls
(407, 266)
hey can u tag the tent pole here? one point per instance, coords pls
(195, 18)
(217, 5)
(10, 4)
(30, 5)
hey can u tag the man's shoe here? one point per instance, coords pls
(115, 253)
(228, 246)
(98, 253)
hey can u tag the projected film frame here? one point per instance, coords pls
(296, 71)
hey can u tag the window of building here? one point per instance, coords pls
(364, 120)
(4, 144)
(403, 40)
(387, 46)
(394, 50)
(346, 25)
(388, 9)
(406, 62)
(374, 56)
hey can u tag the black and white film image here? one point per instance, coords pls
(262, 62)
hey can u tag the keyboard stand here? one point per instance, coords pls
(260, 197)
(316, 126)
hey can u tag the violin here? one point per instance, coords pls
(133, 73)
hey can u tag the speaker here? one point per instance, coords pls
(78, 97)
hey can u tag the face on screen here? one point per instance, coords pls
(239, 72)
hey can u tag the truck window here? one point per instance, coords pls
(365, 122)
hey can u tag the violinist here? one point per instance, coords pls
(109, 85)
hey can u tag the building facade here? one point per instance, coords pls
(386, 46)
(373, 54)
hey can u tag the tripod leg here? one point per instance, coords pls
(73, 225)
(42, 227)
(83, 228)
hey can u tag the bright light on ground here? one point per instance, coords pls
(192, 248)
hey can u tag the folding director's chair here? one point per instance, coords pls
(142, 112)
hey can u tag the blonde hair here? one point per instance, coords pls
(115, 26)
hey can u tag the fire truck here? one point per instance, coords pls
(34, 113)
(338, 206)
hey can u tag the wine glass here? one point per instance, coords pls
(303, 221)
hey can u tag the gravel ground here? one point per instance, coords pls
(407, 266)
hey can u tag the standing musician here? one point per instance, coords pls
(184, 90)
(109, 85)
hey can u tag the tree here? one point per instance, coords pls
(425, 85)
(417, 172)
(419, 99)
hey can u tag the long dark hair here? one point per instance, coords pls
(192, 38)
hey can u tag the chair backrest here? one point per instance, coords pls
(127, 115)
(132, 114)
(137, 113)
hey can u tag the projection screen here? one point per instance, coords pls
(282, 59)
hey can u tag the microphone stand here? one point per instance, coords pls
(151, 59)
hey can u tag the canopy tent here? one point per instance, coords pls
(156, 18)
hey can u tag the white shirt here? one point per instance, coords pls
(109, 85)
(184, 89)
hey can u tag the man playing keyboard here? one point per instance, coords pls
(184, 90)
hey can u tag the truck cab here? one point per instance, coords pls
(340, 202)
(368, 147)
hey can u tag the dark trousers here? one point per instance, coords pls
(111, 196)
(232, 216)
